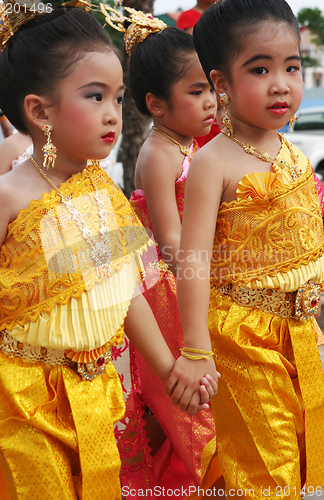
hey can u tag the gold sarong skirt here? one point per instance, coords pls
(56, 432)
(269, 409)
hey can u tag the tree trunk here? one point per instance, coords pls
(135, 125)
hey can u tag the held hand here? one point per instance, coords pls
(183, 384)
(207, 390)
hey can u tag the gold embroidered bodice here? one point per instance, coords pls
(272, 235)
(50, 292)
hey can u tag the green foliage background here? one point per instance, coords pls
(314, 20)
(115, 35)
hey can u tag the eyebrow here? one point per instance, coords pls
(198, 84)
(264, 56)
(99, 84)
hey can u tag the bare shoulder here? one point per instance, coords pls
(11, 183)
(7, 185)
(18, 187)
(158, 161)
(211, 162)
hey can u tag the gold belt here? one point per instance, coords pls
(87, 371)
(301, 304)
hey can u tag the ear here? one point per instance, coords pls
(219, 81)
(35, 110)
(155, 106)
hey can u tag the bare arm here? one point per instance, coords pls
(203, 194)
(142, 329)
(158, 173)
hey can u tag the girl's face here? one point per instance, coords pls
(87, 119)
(193, 107)
(266, 80)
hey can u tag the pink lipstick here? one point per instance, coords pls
(279, 108)
(210, 119)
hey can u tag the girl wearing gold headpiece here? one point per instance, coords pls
(253, 248)
(71, 263)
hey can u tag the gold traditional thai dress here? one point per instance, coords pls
(60, 314)
(268, 257)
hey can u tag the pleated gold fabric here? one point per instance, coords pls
(79, 325)
(271, 378)
(52, 425)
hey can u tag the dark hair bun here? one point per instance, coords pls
(157, 64)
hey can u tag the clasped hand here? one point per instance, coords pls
(191, 384)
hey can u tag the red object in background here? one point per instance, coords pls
(215, 130)
(188, 19)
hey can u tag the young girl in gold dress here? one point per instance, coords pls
(253, 249)
(70, 256)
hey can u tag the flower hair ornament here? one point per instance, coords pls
(141, 25)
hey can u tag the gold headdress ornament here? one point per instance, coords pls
(141, 25)
(16, 13)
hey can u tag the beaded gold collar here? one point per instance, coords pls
(269, 158)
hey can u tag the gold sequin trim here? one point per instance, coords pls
(12, 347)
(87, 371)
(301, 304)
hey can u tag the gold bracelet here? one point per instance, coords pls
(203, 354)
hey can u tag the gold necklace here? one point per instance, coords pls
(99, 248)
(32, 159)
(94, 162)
(276, 161)
(185, 150)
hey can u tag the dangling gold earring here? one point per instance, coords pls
(292, 121)
(223, 98)
(49, 149)
(227, 122)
